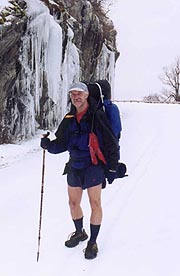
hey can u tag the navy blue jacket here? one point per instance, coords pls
(73, 137)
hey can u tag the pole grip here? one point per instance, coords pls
(45, 135)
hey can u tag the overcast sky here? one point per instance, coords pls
(148, 39)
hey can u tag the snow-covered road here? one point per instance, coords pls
(140, 230)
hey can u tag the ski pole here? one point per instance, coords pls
(41, 202)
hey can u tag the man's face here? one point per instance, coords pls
(79, 99)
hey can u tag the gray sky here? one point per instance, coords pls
(148, 39)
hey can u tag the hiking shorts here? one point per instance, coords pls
(87, 177)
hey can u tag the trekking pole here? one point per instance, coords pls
(41, 202)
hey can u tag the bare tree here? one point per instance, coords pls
(103, 4)
(171, 78)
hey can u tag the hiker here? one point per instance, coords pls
(87, 135)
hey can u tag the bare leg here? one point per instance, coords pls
(75, 196)
(94, 194)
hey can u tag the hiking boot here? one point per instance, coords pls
(91, 250)
(75, 238)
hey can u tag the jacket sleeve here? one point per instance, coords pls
(55, 147)
(110, 145)
(59, 144)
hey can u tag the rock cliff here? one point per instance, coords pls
(45, 46)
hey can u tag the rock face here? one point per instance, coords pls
(45, 46)
(11, 106)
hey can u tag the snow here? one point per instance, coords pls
(140, 229)
(44, 38)
(3, 4)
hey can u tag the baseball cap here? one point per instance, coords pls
(79, 86)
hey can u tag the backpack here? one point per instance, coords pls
(100, 91)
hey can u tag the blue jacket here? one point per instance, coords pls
(73, 137)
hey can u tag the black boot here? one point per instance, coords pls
(76, 238)
(91, 250)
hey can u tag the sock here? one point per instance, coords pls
(78, 224)
(94, 232)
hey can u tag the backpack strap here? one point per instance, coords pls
(99, 101)
(101, 94)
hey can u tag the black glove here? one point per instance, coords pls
(45, 142)
(111, 175)
(121, 170)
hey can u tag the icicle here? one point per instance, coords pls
(44, 75)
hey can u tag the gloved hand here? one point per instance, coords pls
(111, 175)
(121, 170)
(45, 142)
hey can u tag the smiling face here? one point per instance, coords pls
(79, 99)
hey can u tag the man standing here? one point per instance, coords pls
(85, 169)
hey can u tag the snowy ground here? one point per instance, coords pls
(141, 225)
